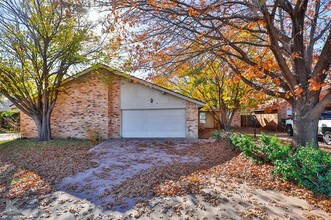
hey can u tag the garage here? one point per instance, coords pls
(155, 123)
(149, 111)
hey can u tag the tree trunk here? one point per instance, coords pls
(305, 127)
(43, 124)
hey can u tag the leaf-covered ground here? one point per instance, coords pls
(146, 179)
(29, 168)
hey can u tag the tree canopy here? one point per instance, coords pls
(281, 47)
(213, 84)
(40, 41)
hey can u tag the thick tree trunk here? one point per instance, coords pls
(43, 124)
(305, 126)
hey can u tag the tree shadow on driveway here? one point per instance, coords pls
(129, 169)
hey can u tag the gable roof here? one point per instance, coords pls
(135, 79)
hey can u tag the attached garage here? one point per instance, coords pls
(152, 113)
(153, 123)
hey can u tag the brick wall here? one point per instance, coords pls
(81, 107)
(92, 102)
(28, 128)
(192, 120)
(114, 110)
(236, 121)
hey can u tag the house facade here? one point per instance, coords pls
(118, 105)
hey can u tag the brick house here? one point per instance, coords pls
(118, 105)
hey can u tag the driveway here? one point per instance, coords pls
(169, 179)
(8, 136)
(119, 160)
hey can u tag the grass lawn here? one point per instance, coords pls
(29, 167)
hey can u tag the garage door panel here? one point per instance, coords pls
(153, 123)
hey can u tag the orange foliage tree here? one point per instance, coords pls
(212, 82)
(281, 47)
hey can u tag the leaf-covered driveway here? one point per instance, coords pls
(119, 160)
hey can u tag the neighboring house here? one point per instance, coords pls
(118, 105)
(270, 115)
(273, 114)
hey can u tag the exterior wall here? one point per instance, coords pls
(137, 96)
(81, 108)
(192, 120)
(211, 123)
(236, 121)
(28, 128)
(114, 111)
(93, 102)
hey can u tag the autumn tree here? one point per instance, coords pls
(40, 41)
(212, 82)
(281, 47)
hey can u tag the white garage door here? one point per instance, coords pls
(153, 123)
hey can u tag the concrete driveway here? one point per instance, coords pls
(8, 136)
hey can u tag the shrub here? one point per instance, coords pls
(267, 150)
(94, 135)
(219, 135)
(309, 167)
(247, 146)
(274, 149)
(10, 121)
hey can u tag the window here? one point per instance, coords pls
(202, 118)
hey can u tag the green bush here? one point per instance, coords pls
(217, 135)
(267, 150)
(220, 135)
(274, 149)
(309, 167)
(247, 146)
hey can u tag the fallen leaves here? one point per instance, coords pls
(221, 179)
(174, 179)
(241, 170)
(29, 168)
(24, 183)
